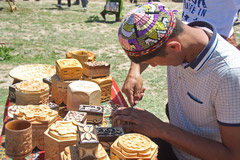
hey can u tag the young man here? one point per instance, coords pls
(203, 84)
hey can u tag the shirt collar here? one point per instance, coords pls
(206, 53)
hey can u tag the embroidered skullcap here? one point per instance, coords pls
(144, 29)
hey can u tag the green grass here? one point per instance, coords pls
(3, 95)
(5, 52)
(40, 33)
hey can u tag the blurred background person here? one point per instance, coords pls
(59, 3)
(134, 1)
(84, 3)
(107, 9)
(221, 13)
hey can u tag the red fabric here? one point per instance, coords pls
(5, 117)
(117, 96)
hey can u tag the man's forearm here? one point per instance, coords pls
(136, 68)
(198, 146)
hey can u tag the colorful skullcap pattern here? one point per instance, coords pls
(146, 28)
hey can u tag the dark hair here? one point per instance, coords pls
(176, 31)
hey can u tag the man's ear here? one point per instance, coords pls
(173, 46)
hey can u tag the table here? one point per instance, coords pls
(117, 100)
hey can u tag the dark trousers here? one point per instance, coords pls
(68, 1)
(165, 151)
(117, 14)
(84, 2)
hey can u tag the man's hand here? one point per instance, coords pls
(140, 121)
(132, 88)
(133, 85)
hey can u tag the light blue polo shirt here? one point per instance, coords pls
(206, 92)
